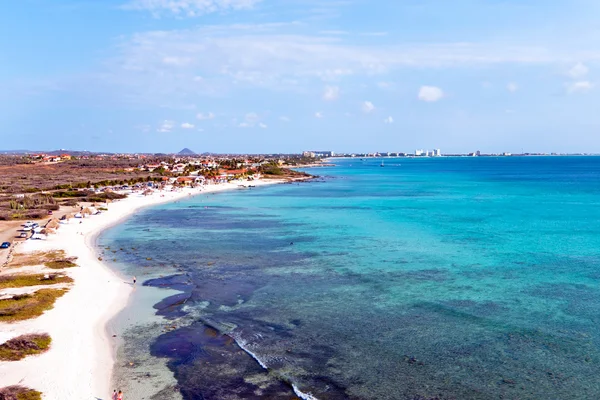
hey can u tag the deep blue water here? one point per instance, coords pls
(449, 278)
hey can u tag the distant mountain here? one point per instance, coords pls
(186, 152)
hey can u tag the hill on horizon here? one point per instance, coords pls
(186, 152)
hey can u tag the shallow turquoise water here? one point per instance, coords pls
(429, 278)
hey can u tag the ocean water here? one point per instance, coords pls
(448, 278)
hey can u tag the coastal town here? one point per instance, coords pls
(51, 274)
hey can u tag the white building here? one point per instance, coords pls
(437, 152)
(419, 153)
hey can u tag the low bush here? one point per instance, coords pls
(22, 346)
(19, 393)
(15, 281)
(60, 264)
(27, 306)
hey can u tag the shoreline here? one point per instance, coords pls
(81, 359)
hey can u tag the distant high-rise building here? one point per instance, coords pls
(437, 152)
(419, 153)
(478, 153)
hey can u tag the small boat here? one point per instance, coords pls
(382, 164)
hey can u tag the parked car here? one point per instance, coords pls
(5, 245)
(23, 235)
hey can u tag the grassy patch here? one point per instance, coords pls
(60, 264)
(14, 281)
(28, 306)
(38, 258)
(26, 345)
(19, 393)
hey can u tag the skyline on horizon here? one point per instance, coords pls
(268, 76)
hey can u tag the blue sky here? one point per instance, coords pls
(286, 76)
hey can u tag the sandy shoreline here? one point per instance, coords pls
(80, 362)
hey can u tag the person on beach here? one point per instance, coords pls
(134, 280)
(120, 395)
(114, 395)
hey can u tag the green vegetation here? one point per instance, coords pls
(27, 306)
(22, 346)
(37, 258)
(272, 169)
(15, 281)
(60, 264)
(19, 393)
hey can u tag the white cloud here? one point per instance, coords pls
(331, 93)
(188, 8)
(334, 32)
(177, 61)
(251, 120)
(187, 125)
(579, 86)
(367, 107)
(385, 85)
(262, 125)
(318, 114)
(144, 128)
(389, 120)
(269, 56)
(202, 116)
(578, 71)
(284, 118)
(430, 93)
(166, 126)
(512, 87)
(251, 117)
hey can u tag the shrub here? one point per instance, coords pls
(27, 306)
(22, 346)
(60, 264)
(15, 281)
(19, 393)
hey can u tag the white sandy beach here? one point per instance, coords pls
(80, 361)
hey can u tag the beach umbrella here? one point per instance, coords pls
(52, 224)
(86, 211)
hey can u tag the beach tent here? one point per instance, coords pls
(67, 217)
(52, 224)
(86, 211)
(78, 215)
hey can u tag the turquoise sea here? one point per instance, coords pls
(436, 278)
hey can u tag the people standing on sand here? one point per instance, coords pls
(134, 280)
(120, 395)
(114, 395)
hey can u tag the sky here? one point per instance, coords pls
(265, 76)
